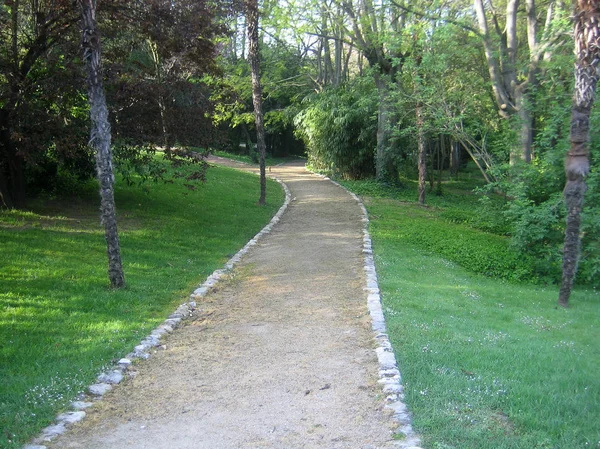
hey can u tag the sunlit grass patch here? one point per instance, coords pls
(60, 324)
(486, 364)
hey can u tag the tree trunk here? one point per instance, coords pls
(512, 95)
(100, 140)
(422, 157)
(526, 140)
(12, 168)
(327, 64)
(577, 165)
(162, 107)
(254, 56)
(384, 166)
(454, 158)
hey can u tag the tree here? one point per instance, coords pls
(100, 138)
(254, 57)
(511, 86)
(369, 28)
(30, 29)
(577, 164)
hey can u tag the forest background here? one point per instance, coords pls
(366, 89)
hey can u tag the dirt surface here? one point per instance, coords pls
(280, 355)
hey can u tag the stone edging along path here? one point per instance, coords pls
(389, 375)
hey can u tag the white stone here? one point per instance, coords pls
(149, 342)
(70, 417)
(51, 432)
(141, 355)
(371, 283)
(200, 291)
(158, 332)
(114, 377)
(81, 405)
(99, 389)
(393, 388)
(173, 321)
(387, 360)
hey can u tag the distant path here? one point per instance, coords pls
(280, 356)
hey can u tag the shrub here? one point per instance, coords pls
(338, 128)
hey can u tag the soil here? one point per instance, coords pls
(279, 355)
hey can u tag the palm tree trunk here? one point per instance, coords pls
(100, 141)
(577, 165)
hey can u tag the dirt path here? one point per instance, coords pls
(280, 355)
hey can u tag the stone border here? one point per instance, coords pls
(389, 375)
(108, 379)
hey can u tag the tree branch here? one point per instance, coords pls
(431, 17)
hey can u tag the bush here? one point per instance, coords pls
(338, 127)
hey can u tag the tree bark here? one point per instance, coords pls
(512, 94)
(254, 57)
(384, 166)
(422, 157)
(367, 38)
(100, 139)
(577, 165)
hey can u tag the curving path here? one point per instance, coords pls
(279, 355)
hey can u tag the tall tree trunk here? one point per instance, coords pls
(254, 56)
(524, 153)
(512, 92)
(100, 140)
(384, 166)
(422, 156)
(162, 107)
(454, 158)
(12, 167)
(243, 36)
(327, 64)
(577, 165)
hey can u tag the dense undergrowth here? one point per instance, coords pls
(60, 324)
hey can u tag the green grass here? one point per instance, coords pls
(60, 324)
(486, 364)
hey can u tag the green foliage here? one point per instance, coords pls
(137, 163)
(535, 216)
(538, 230)
(284, 84)
(60, 324)
(338, 127)
(153, 55)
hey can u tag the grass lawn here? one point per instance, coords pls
(60, 324)
(486, 363)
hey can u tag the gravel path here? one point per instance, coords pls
(279, 355)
